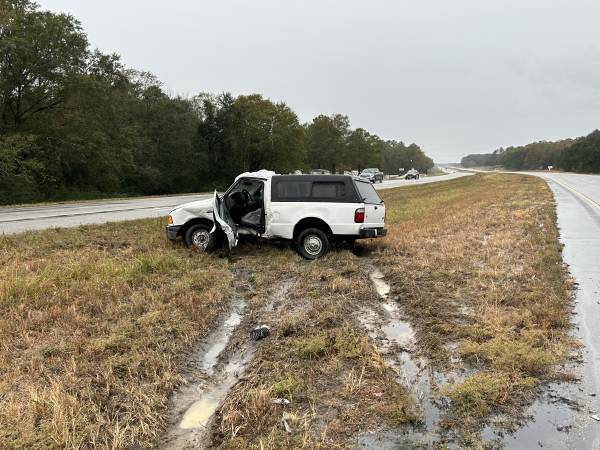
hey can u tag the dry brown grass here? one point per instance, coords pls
(96, 322)
(91, 326)
(477, 262)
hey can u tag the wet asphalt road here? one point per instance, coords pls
(578, 210)
(387, 184)
(16, 219)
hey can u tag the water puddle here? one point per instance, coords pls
(556, 420)
(198, 415)
(195, 404)
(214, 346)
(560, 418)
(394, 338)
(200, 412)
(377, 278)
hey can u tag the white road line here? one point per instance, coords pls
(584, 197)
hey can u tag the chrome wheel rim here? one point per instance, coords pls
(313, 244)
(200, 239)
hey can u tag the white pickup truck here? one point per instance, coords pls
(311, 210)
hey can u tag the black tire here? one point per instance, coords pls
(200, 237)
(312, 243)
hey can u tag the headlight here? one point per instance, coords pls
(169, 220)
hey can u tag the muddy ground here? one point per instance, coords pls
(365, 364)
(453, 331)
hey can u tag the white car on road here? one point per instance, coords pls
(310, 210)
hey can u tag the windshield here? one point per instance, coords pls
(368, 193)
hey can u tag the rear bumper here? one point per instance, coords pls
(172, 231)
(372, 232)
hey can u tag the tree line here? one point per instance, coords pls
(574, 155)
(77, 123)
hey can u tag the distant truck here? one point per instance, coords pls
(373, 174)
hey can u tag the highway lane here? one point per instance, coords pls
(16, 219)
(387, 184)
(578, 211)
(583, 185)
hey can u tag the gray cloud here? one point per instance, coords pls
(455, 77)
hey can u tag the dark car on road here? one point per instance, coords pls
(373, 174)
(412, 174)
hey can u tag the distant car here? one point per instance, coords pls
(320, 172)
(412, 174)
(373, 174)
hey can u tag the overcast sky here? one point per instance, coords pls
(455, 77)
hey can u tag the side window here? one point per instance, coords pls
(368, 193)
(328, 190)
(288, 190)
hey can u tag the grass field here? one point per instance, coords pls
(478, 269)
(98, 323)
(92, 322)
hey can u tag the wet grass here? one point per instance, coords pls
(476, 264)
(97, 321)
(317, 357)
(92, 324)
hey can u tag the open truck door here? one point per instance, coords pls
(222, 219)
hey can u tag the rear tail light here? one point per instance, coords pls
(359, 215)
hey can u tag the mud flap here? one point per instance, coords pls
(223, 221)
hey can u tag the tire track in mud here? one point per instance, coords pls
(536, 426)
(217, 363)
(395, 340)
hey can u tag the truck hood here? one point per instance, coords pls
(197, 207)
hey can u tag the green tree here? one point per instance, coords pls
(39, 52)
(20, 168)
(77, 123)
(248, 133)
(583, 155)
(326, 138)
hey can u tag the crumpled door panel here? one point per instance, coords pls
(224, 222)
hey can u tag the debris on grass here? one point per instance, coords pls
(260, 332)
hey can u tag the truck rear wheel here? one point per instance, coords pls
(312, 243)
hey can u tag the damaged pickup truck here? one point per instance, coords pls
(311, 210)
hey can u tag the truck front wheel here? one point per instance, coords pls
(312, 243)
(199, 236)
